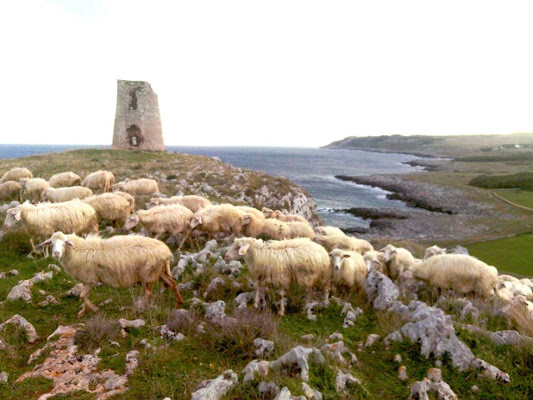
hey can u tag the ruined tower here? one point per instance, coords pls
(137, 120)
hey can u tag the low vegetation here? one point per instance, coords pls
(521, 180)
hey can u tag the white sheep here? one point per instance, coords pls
(16, 174)
(348, 269)
(10, 190)
(120, 261)
(329, 231)
(251, 210)
(44, 219)
(64, 179)
(99, 181)
(272, 228)
(111, 206)
(300, 229)
(33, 189)
(268, 213)
(172, 219)
(398, 260)
(128, 197)
(277, 264)
(192, 202)
(433, 251)
(457, 272)
(375, 261)
(138, 187)
(62, 194)
(344, 242)
(223, 218)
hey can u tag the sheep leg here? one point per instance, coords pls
(281, 311)
(326, 295)
(170, 282)
(147, 295)
(257, 295)
(84, 296)
(157, 236)
(185, 238)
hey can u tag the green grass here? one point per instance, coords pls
(521, 180)
(511, 255)
(521, 197)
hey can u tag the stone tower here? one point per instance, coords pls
(137, 120)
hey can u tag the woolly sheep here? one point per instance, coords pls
(128, 197)
(515, 289)
(348, 269)
(375, 261)
(10, 190)
(250, 210)
(398, 260)
(34, 189)
(268, 213)
(344, 242)
(329, 231)
(111, 206)
(99, 181)
(62, 194)
(223, 218)
(457, 272)
(173, 219)
(277, 264)
(138, 187)
(16, 174)
(274, 229)
(192, 202)
(507, 278)
(43, 219)
(64, 179)
(120, 261)
(300, 229)
(433, 251)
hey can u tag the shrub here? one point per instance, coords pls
(15, 240)
(183, 322)
(97, 330)
(521, 180)
(236, 334)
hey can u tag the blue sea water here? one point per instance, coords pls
(314, 169)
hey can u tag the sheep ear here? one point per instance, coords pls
(69, 242)
(45, 243)
(243, 249)
(346, 255)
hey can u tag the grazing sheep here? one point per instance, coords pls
(43, 219)
(173, 219)
(99, 181)
(300, 229)
(329, 231)
(268, 213)
(64, 179)
(138, 187)
(16, 174)
(192, 202)
(121, 261)
(433, 251)
(458, 272)
(398, 260)
(507, 278)
(375, 261)
(128, 197)
(10, 190)
(33, 189)
(62, 194)
(111, 206)
(223, 218)
(348, 269)
(277, 264)
(274, 229)
(344, 243)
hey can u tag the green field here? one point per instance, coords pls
(521, 197)
(512, 255)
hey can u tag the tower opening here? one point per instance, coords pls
(134, 135)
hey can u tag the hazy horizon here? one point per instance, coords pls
(284, 74)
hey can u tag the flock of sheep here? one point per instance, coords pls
(63, 209)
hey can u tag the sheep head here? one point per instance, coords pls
(337, 258)
(389, 251)
(132, 221)
(267, 212)
(239, 248)
(433, 251)
(13, 216)
(59, 242)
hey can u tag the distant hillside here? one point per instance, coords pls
(448, 146)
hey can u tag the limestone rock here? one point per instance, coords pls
(380, 290)
(269, 389)
(371, 339)
(433, 383)
(255, 368)
(76, 290)
(215, 389)
(263, 346)
(136, 323)
(21, 291)
(298, 357)
(310, 393)
(342, 380)
(29, 330)
(336, 351)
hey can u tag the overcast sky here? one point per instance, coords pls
(282, 73)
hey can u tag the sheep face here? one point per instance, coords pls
(375, 261)
(59, 242)
(337, 258)
(195, 221)
(118, 187)
(12, 218)
(389, 251)
(267, 212)
(238, 250)
(153, 203)
(433, 251)
(131, 222)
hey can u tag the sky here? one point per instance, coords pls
(266, 73)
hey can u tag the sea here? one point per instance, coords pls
(312, 168)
